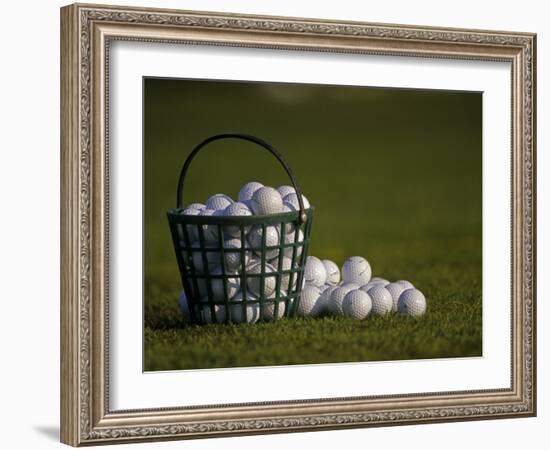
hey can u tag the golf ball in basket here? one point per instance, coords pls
(210, 232)
(337, 297)
(285, 190)
(232, 255)
(406, 284)
(395, 289)
(241, 313)
(286, 265)
(356, 269)
(198, 257)
(247, 191)
(219, 311)
(192, 232)
(289, 226)
(218, 202)
(266, 200)
(253, 280)
(411, 303)
(292, 198)
(217, 284)
(311, 303)
(268, 312)
(333, 272)
(198, 206)
(236, 209)
(293, 239)
(315, 272)
(357, 304)
(382, 302)
(272, 237)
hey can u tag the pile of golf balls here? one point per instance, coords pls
(353, 292)
(253, 199)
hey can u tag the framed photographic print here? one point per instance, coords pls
(277, 224)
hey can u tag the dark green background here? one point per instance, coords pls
(394, 175)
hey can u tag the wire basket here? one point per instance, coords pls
(253, 281)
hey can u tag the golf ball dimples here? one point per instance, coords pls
(357, 304)
(411, 303)
(292, 239)
(233, 258)
(356, 269)
(382, 302)
(333, 272)
(236, 209)
(272, 237)
(315, 272)
(218, 202)
(395, 289)
(247, 191)
(219, 311)
(406, 284)
(254, 282)
(378, 280)
(337, 297)
(266, 200)
(310, 302)
(292, 198)
(285, 190)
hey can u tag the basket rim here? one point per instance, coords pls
(174, 215)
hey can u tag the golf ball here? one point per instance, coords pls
(191, 229)
(254, 280)
(406, 284)
(247, 191)
(292, 198)
(337, 297)
(333, 272)
(289, 226)
(218, 202)
(378, 280)
(270, 305)
(293, 239)
(310, 302)
(382, 302)
(411, 303)
(272, 237)
(357, 304)
(266, 200)
(198, 206)
(233, 255)
(241, 313)
(286, 265)
(315, 272)
(395, 289)
(356, 269)
(236, 209)
(285, 190)
(219, 313)
(232, 285)
(210, 232)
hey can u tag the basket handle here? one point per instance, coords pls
(246, 137)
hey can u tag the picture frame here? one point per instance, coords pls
(87, 31)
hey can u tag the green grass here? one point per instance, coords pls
(394, 175)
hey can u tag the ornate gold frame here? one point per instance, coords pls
(86, 31)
